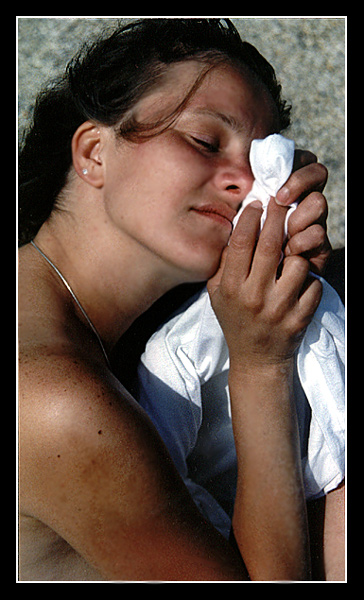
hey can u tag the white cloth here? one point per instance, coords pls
(183, 385)
(271, 161)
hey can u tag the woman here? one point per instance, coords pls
(132, 173)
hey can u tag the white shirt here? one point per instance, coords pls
(183, 386)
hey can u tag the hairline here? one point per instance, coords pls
(128, 127)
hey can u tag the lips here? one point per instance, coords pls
(217, 210)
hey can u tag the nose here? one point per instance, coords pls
(233, 180)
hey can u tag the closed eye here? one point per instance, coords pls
(209, 146)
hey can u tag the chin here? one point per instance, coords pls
(202, 270)
(197, 261)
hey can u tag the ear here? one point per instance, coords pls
(87, 161)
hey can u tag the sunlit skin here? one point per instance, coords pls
(99, 498)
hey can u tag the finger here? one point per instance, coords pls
(237, 256)
(310, 298)
(310, 178)
(313, 245)
(269, 248)
(293, 277)
(242, 244)
(319, 260)
(312, 209)
(303, 158)
(306, 304)
(311, 240)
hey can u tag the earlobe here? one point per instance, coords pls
(86, 154)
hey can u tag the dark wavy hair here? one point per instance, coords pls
(104, 81)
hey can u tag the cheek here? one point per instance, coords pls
(149, 195)
(144, 192)
(161, 177)
(169, 162)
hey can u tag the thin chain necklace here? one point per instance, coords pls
(65, 282)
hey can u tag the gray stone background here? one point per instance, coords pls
(308, 55)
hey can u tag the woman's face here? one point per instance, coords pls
(176, 194)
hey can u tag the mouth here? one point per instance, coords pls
(219, 213)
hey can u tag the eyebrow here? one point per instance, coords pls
(229, 120)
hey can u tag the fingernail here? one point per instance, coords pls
(283, 197)
(257, 204)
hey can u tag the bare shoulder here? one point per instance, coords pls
(94, 470)
(82, 460)
(68, 408)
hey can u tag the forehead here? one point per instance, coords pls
(228, 93)
(234, 97)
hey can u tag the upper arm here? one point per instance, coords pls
(94, 470)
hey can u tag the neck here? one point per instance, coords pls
(115, 281)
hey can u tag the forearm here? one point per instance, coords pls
(263, 318)
(269, 520)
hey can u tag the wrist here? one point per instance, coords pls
(254, 371)
(262, 392)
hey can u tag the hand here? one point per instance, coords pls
(262, 317)
(307, 225)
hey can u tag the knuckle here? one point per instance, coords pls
(320, 234)
(277, 312)
(269, 244)
(296, 245)
(227, 291)
(240, 241)
(321, 171)
(298, 264)
(313, 238)
(296, 326)
(253, 300)
(316, 237)
(319, 202)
